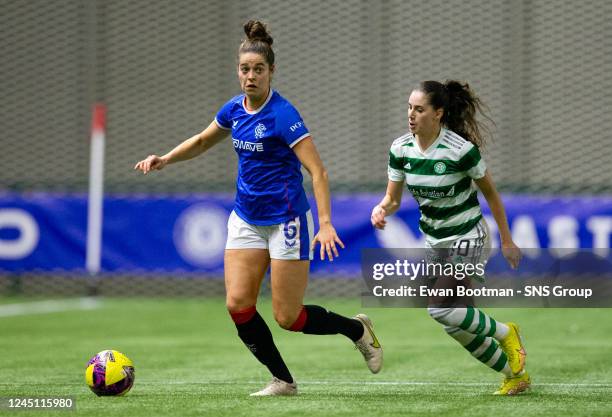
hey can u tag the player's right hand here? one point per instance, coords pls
(378, 217)
(512, 253)
(151, 163)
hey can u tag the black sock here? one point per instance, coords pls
(256, 335)
(321, 321)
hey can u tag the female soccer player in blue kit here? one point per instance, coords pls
(271, 224)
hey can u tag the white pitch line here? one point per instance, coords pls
(466, 384)
(398, 383)
(49, 306)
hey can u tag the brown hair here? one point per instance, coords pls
(460, 106)
(258, 41)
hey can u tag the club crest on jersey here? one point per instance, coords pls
(440, 167)
(259, 131)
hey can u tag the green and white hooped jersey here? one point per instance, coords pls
(440, 179)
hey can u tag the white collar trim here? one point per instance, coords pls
(260, 108)
(433, 145)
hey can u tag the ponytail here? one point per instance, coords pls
(460, 106)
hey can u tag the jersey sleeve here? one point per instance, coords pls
(290, 125)
(223, 117)
(473, 163)
(395, 169)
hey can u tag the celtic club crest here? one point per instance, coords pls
(440, 167)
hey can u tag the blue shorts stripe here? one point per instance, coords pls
(304, 237)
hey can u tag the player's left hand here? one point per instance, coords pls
(328, 238)
(512, 253)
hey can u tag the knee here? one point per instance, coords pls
(241, 315)
(286, 318)
(234, 306)
(235, 302)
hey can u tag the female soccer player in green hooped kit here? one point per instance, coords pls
(439, 160)
(271, 224)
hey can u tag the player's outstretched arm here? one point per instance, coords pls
(388, 205)
(190, 148)
(328, 238)
(511, 252)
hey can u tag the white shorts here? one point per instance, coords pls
(474, 247)
(290, 240)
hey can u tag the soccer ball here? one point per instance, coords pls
(110, 373)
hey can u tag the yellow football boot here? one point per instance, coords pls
(514, 385)
(512, 345)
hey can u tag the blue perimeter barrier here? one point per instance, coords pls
(185, 234)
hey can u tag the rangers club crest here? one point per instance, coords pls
(259, 131)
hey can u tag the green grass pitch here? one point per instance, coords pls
(190, 362)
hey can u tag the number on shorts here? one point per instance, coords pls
(290, 231)
(461, 248)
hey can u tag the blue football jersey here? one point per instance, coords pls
(269, 184)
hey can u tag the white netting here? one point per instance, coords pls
(164, 68)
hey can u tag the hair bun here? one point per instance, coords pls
(257, 31)
(454, 86)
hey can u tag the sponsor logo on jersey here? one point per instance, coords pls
(259, 131)
(408, 166)
(440, 167)
(248, 146)
(296, 126)
(433, 194)
(427, 193)
(235, 123)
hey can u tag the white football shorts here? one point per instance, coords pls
(290, 240)
(472, 248)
